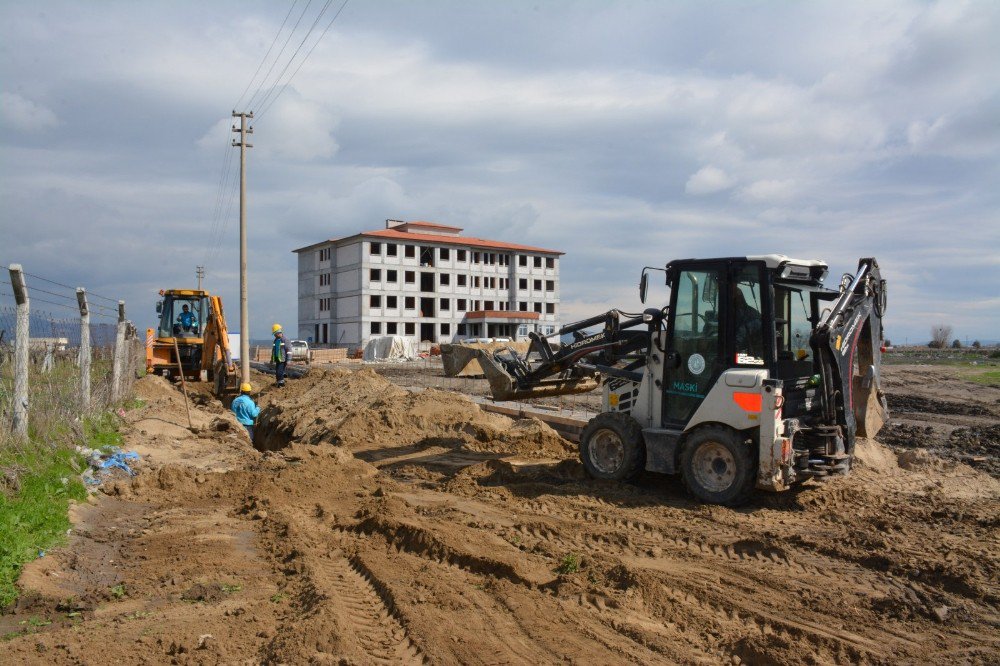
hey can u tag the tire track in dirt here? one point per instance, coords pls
(748, 561)
(521, 637)
(375, 627)
(336, 595)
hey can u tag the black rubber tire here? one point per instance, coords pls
(633, 448)
(740, 463)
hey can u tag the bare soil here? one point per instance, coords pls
(380, 525)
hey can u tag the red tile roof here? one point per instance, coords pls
(467, 241)
(500, 314)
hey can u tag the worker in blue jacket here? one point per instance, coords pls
(245, 409)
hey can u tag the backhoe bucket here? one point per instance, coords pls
(504, 387)
(870, 411)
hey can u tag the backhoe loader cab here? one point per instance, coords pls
(193, 326)
(751, 374)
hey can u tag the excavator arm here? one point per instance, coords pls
(848, 344)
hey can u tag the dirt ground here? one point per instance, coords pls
(380, 525)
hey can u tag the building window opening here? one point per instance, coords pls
(390, 328)
(426, 307)
(409, 251)
(426, 256)
(375, 249)
(410, 277)
(410, 303)
(376, 328)
(427, 282)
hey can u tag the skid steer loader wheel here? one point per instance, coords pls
(718, 466)
(611, 447)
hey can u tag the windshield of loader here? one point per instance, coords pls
(182, 317)
(792, 330)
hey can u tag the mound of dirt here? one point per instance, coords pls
(363, 410)
(978, 445)
(872, 454)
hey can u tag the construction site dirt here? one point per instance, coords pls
(373, 523)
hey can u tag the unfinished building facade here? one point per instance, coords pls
(425, 281)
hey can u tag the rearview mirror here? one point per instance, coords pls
(643, 281)
(710, 290)
(159, 307)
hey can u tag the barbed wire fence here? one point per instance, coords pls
(57, 368)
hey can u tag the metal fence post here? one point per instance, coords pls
(118, 365)
(81, 297)
(20, 397)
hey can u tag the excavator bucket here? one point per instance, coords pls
(504, 387)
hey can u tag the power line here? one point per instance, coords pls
(268, 100)
(225, 220)
(264, 59)
(216, 232)
(313, 48)
(278, 57)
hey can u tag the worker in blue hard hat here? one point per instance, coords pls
(245, 409)
(279, 354)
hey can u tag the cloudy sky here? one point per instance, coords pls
(623, 133)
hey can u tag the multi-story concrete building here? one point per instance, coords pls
(425, 281)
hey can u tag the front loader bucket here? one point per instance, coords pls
(504, 387)
(460, 361)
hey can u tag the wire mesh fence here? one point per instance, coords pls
(67, 375)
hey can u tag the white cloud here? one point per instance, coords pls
(24, 115)
(297, 129)
(707, 180)
(768, 191)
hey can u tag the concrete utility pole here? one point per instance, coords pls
(81, 299)
(120, 357)
(200, 272)
(19, 425)
(244, 312)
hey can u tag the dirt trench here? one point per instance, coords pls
(379, 525)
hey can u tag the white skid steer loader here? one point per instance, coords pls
(753, 375)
